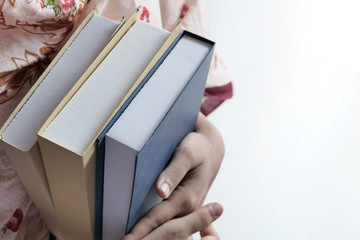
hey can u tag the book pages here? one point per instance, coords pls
(85, 114)
(144, 114)
(22, 131)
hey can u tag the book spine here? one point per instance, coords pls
(71, 179)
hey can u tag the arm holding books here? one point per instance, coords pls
(184, 184)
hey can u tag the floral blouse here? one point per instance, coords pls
(31, 33)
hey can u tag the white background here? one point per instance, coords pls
(292, 129)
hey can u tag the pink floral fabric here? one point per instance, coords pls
(31, 33)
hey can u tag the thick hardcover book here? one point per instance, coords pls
(100, 151)
(19, 133)
(138, 143)
(68, 137)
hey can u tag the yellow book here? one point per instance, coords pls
(68, 137)
(18, 136)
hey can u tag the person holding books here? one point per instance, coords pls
(31, 33)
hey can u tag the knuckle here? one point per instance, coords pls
(189, 204)
(176, 233)
(152, 222)
(204, 220)
(192, 137)
(188, 152)
(176, 174)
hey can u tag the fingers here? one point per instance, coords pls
(209, 233)
(182, 228)
(186, 181)
(187, 197)
(184, 159)
(205, 128)
(196, 147)
(202, 123)
(155, 217)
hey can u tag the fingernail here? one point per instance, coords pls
(165, 187)
(216, 209)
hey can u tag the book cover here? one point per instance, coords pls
(155, 155)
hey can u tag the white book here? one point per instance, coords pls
(19, 134)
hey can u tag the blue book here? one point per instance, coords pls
(139, 141)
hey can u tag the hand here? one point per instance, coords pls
(182, 228)
(185, 183)
(209, 233)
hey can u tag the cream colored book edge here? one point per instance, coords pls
(28, 164)
(30, 169)
(80, 182)
(76, 223)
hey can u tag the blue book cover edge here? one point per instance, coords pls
(100, 151)
(138, 189)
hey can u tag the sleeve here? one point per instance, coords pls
(194, 18)
(19, 218)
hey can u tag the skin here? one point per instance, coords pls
(184, 185)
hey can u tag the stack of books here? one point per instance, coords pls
(93, 134)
